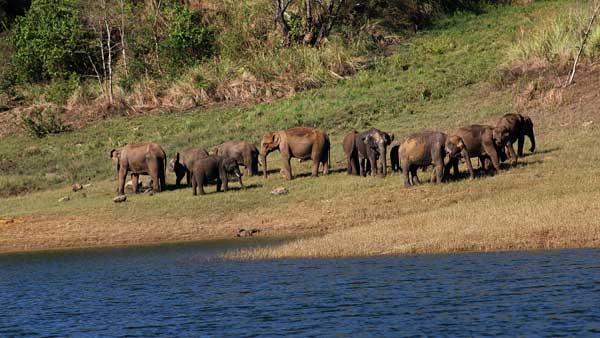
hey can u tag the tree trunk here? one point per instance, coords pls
(308, 30)
(109, 48)
(280, 6)
(122, 31)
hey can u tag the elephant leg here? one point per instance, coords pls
(188, 176)
(225, 181)
(493, 154)
(288, 168)
(438, 172)
(219, 183)
(350, 168)
(201, 184)
(135, 179)
(433, 175)
(361, 165)
(447, 168)
(194, 182)
(405, 173)
(512, 154)
(315, 166)
(162, 179)
(155, 182)
(178, 180)
(413, 174)
(520, 144)
(121, 186)
(374, 167)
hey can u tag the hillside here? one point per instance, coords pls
(444, 77)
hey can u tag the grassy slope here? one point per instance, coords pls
(445, 86)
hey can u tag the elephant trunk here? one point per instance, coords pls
(532, 140)
(263, 159)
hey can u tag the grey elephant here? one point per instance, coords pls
(245, 153)
(214, 169)
(140, 159)
(420, 151)
(182, 163)
(367, 151)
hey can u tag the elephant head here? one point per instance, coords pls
(232, 167)
(378, 141)
(268, 143)
(455, 146)
(501, 135)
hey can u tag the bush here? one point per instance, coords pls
(50, 41)
(186, 41)
(41, 122)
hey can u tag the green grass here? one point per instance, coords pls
(419, 87)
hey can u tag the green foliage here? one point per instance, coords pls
(42, 122)
(186, 41)
(50, 41)
(557, 38)
(59, 91)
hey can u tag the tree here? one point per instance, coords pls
(319, 16)
(50, 41)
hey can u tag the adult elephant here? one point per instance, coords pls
(420, 151)
(371, 146)
(245, 153)
(512, 128)
(183, 161)
(300, 142)
(140, 159)
(479, 142)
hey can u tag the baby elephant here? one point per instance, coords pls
(214, 168)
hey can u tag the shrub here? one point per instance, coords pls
(41, 122)
(186, 40)
(50, 41)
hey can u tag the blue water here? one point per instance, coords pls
(176, 291)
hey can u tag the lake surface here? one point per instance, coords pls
(176, 291)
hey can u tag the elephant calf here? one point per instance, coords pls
(420, 151)
(214, 169)
(245, 153)
(140, 159)
(182, 164)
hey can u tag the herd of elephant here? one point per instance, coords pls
(365, 152)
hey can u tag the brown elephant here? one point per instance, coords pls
(511, 128)
(214, 169)
(182, 163)
(367, 151)
(302, 143)
(140, 159)
(420, 151)
(245, 153)
(480, 142)
(455, 149)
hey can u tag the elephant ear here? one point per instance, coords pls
(388, 138)
(115, 153)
